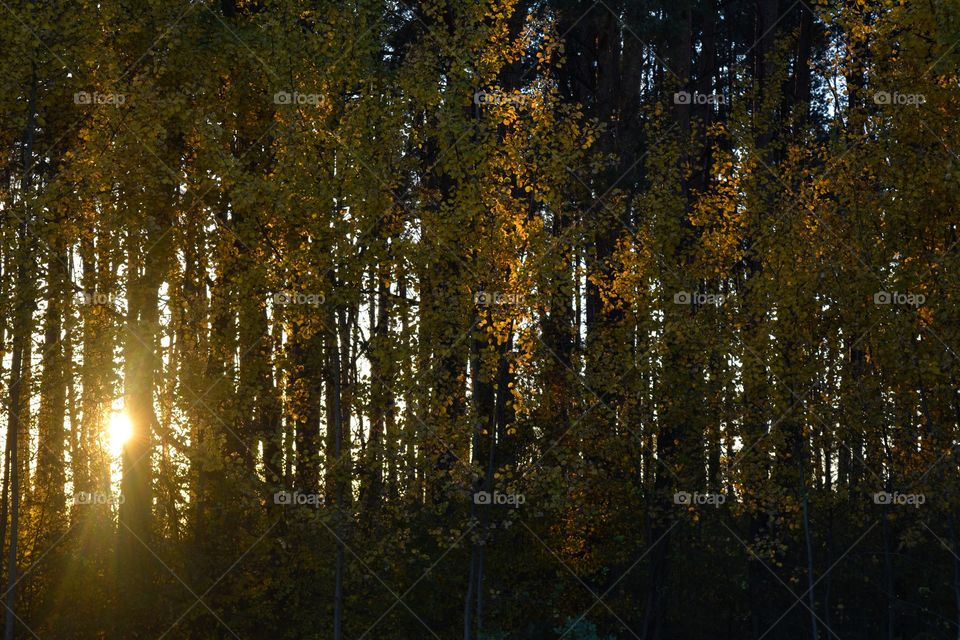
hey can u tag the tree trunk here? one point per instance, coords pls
(21, 339)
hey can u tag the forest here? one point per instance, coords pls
(480, 319)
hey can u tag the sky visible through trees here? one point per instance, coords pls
(480, 319)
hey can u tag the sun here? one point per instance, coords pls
(119, 431)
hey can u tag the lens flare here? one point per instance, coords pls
(119, 431)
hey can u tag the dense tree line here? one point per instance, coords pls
(481, 319)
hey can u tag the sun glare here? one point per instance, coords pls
(119, 431)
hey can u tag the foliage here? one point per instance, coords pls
(497, 319)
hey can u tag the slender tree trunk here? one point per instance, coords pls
(335, 381)
(51, 473)
(811, 583)
(142, 362)
(888, 578)
(21, 339)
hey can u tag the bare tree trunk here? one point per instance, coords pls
(811, 583)
(340, 472)
(955, 539)
(21, 338)
(888, 578)
(21, 335)
(51, 472)
(142, 358)
(381, 397)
